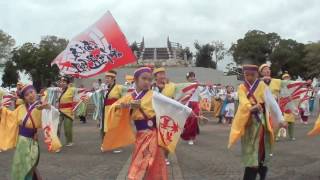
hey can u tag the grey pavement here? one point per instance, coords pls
(210, 159)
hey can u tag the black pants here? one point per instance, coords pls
(250, 173)
(83, 119)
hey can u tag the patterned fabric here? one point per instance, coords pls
(25, 159)
(251, 140)
(148, 161)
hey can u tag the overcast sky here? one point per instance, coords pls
(183, 20)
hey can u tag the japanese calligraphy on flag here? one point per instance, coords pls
(171, 117)
(98, 49)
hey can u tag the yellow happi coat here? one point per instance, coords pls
(119, 132)
(9, 124)
(275, 87)
(217, 105)
(169, 90)
(18, 102)
(289, 117)
(115, 94)
(66, 102)
(243, 115)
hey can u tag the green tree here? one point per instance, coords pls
(204, 55)
(311, 60)
(6, 45)
(134, 46)
(10, 76)
(135, 49)
(186, 51)
(256, 47)
(287, 56)
(219, 51)
(35, 59)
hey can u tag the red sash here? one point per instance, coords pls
(66, 105)
(108, 102)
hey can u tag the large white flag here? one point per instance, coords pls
(101, 47)
(50, 121)
(171, 117)
(272, 109)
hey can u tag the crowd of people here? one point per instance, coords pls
(259, 111)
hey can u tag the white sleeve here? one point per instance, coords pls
(272, 107)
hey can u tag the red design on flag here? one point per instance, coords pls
(47, 137)
(98, 49)
(168, 128)
(188, 92)
(7, 100)
(297, 90)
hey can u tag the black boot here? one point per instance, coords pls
(250, 173)
(220, 119)
(263, 172)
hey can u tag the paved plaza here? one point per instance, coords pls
(209, 159)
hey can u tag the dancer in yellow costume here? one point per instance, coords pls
(217, 103)
(277, 86)
(110, 94)
(66, 105)
(274, 84)
(288, 115)
(148, 160)
(161, 85)
(251, 125)
(18, 129)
